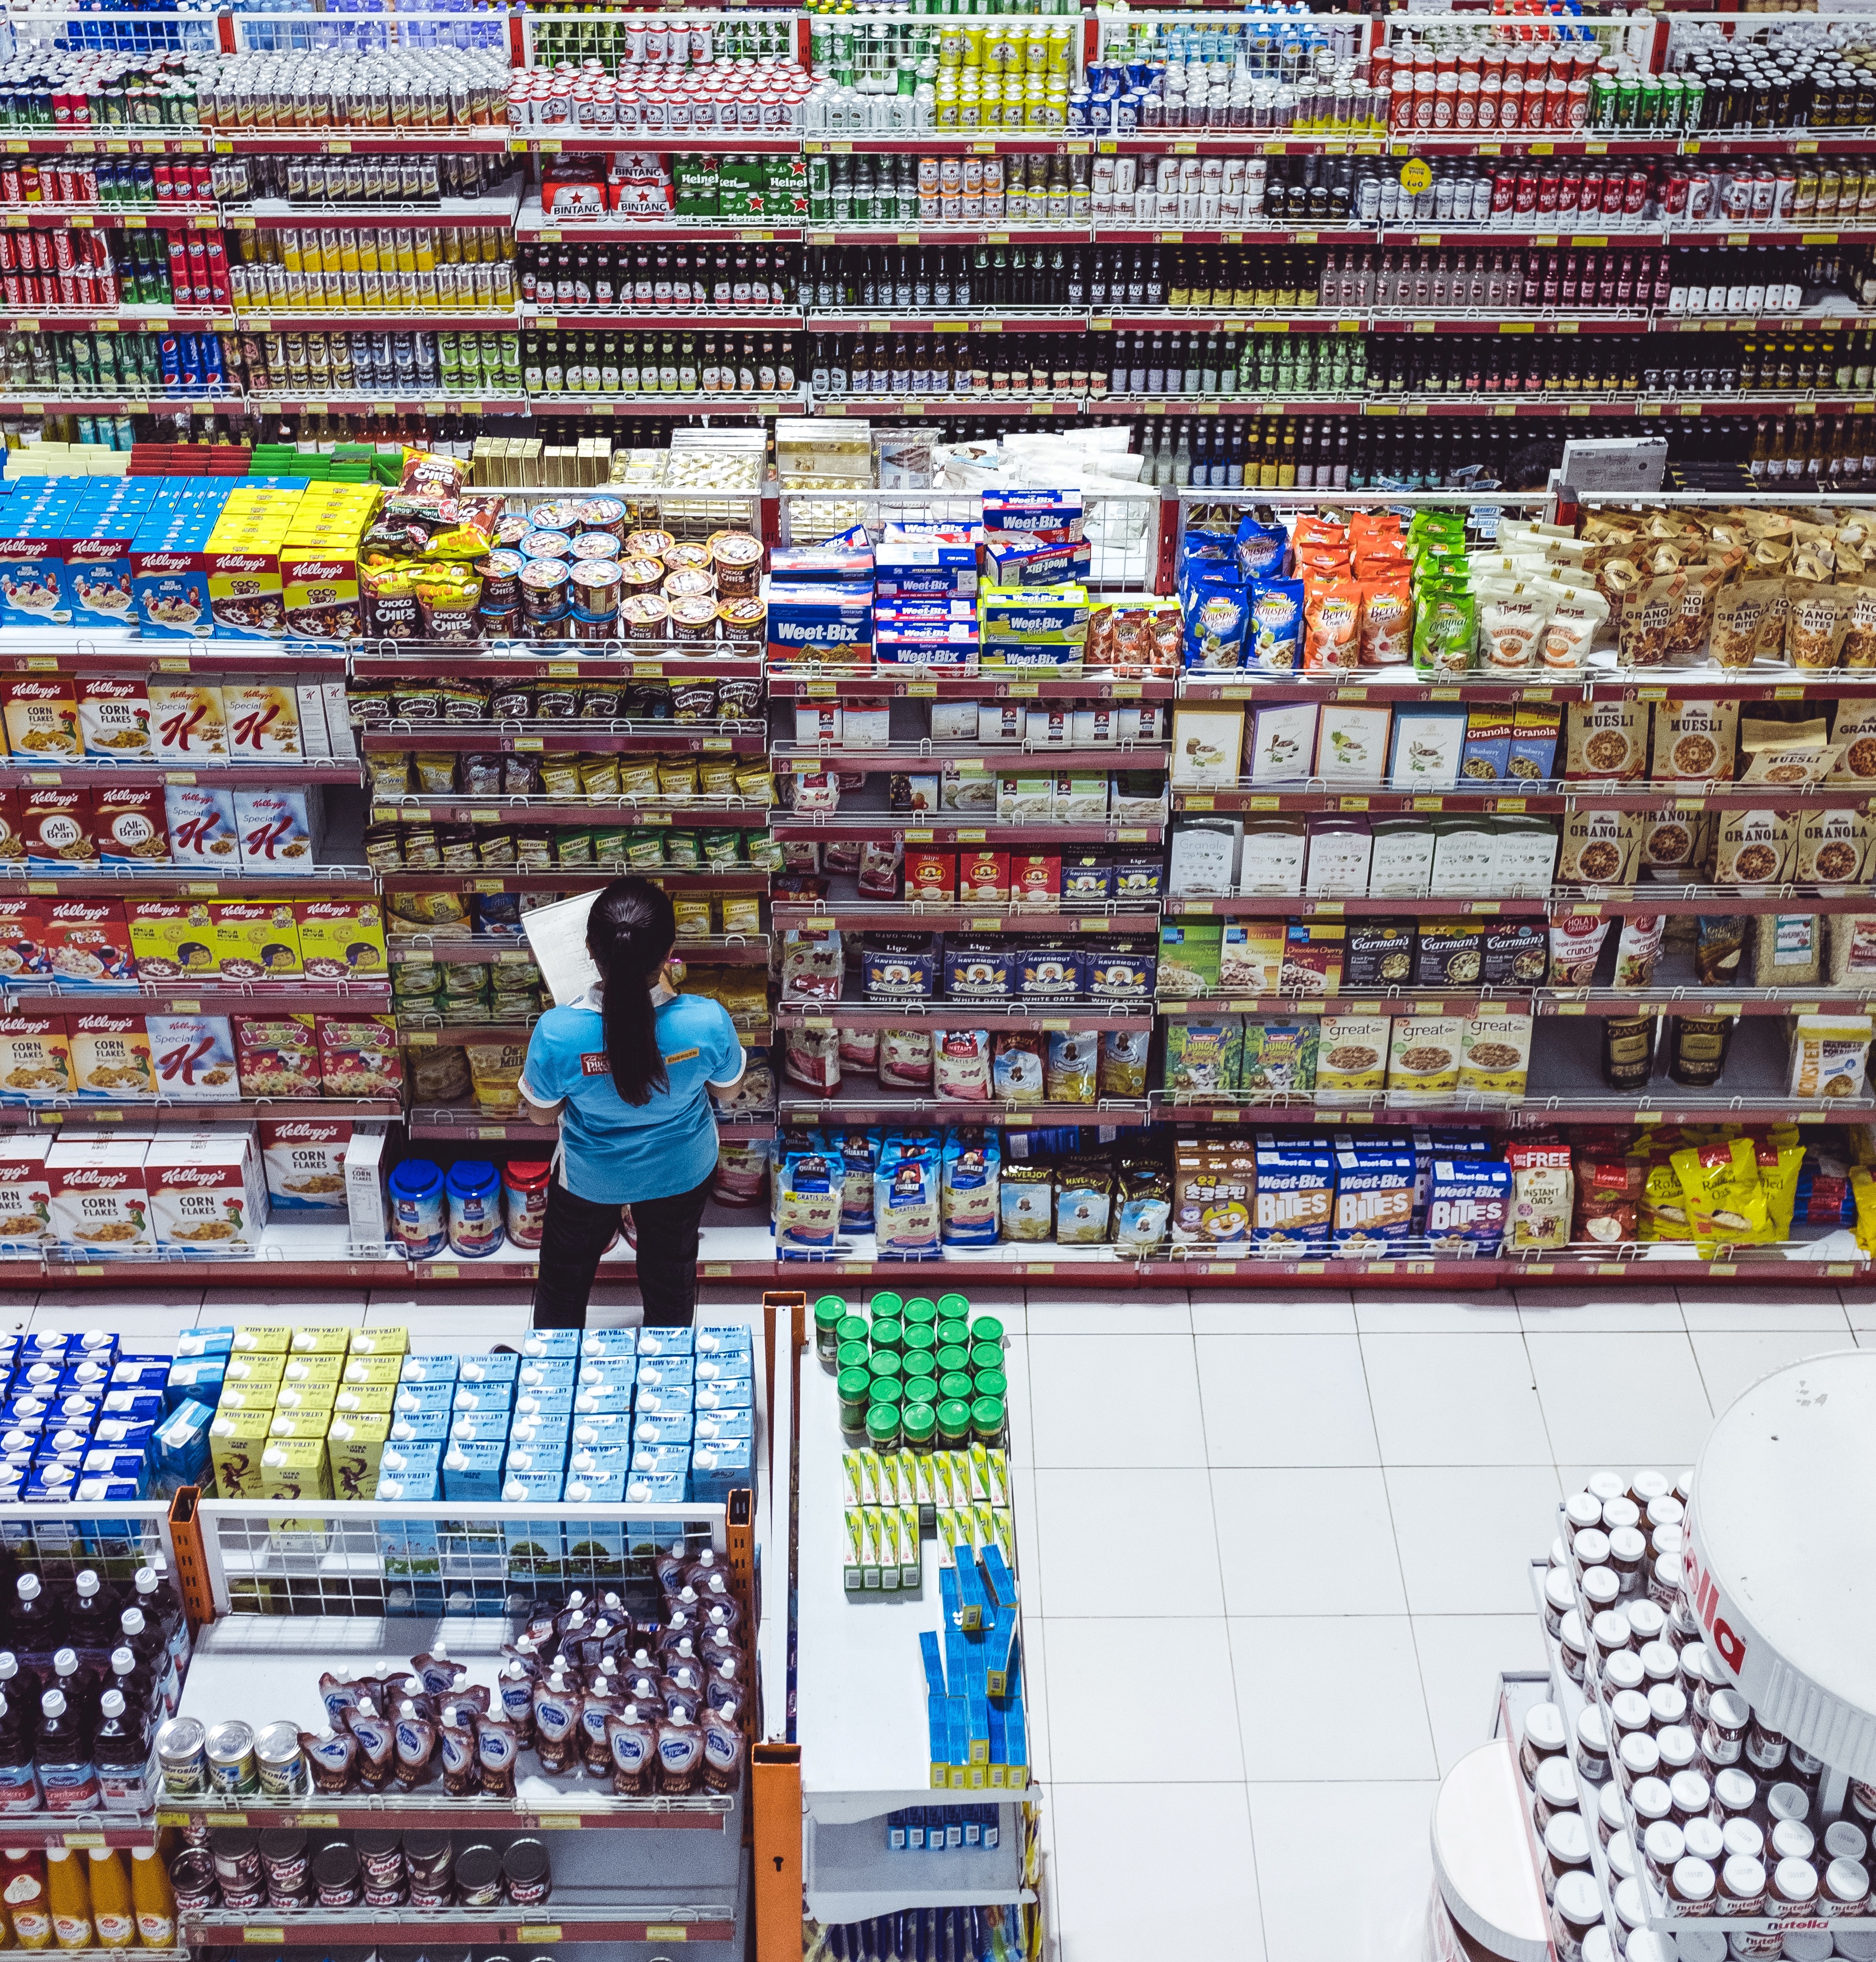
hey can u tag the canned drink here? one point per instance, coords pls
(1628, 91)
(1635, 199)
(163, 181)
(1674, 193)
(8, 262)
(181, 1743)
(1548, 184)
(230, 1750)
(63, 258)
(68, 284)
(1615, 186)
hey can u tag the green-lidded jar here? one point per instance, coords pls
(993, 1383)
(920, 1313)
(854, 1387)
(854, 1355)
(953, 1424)
(953, 1308)
(889, 1333)
(957, 1383)
(885, 1303)
(950, 1356)
(919, 1369)
(918, 1423)
(920, 1341)
(989, 1420)
(985, 1356)
(953, 1333)
(882, 1427)
(886, 1390)
(853, 1328)
(986, 1328)
(830, 1312)
(885, 1363)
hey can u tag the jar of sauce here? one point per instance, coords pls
(1789, 1804)
(1705, 1841)
(1742, 1835)
(1629, 1708)
(1583, 1512)
(1621, 1671)
(1649, 1799)
(1620, 1514)
(1612, 1634)
(1628, 1554)
(1845, 1840)
(1660, 1660)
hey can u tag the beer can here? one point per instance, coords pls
(1635, 198)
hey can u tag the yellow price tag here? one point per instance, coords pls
(1416, 175)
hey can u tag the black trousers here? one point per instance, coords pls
(577, 1231)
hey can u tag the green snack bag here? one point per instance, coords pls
(1445, 632)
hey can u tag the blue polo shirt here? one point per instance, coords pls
(613, 1153)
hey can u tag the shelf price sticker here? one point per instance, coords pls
(265, 1934)
(549, 1931)
(1416, 175)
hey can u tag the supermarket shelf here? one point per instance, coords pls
(479, 140)
(265, 772)
(168, 1111)
(434, 402)
(210, 996)
(570, 1921)
(1601, 899)
(575, 877)
(443, 1121)
(1512, 796)
(640, 661)
(916, 1110)
(488, 951)
(1765, 681)
(953, 405)
(1051, 1015)
(774, 402)
(80, 1830)
(554, 317)
(531, 228)
(425, 809)
(81, 320)
(1364, 1001)
(947, 234)
(546, 1805)
(276, 320)
(1001, 321)
(270, 214)
(122, 652)
(107, 140)
(1321, 232)
(798, 759)
(954, 917)
(741, 738)
(948, 684)
(69, 402)
(154, 881)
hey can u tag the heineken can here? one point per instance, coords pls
(1627, 95)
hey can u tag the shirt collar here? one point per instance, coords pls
(595, 997)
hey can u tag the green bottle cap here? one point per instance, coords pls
(851, 1328)
(992, 1383)
(854, 1355)
(886, 1390)
(919, 1368)
(954, 1331)
(889, 1333)
(956, 1383)
(854, 1387)
(954, 1421)
(985, 1356)
(920, 1341)
(884, 1302)
(828, 1312)
(882, 1427)
(883, 1363)
(952, 1355)
(987, 1328)
(986, 1419)
(922, 1311)
(919, 1421)
(953, 1307)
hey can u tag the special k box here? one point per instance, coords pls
(195, 1058)
(35, 1058)
(187, 720)
(341, 938)
(25, 1196)
(304, 1159)
(207, 1195)
(172, 939)
(111, 1057)
(99, 1206)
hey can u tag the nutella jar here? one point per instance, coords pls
(1639, 1755)
(1628, 1554)
(1573, 1645)
(1667, 1511)
(1787, 1802)
(1648, 1798)
(1629, 1708)
(1742, 1886)
(1729, 1717)
(1610, 1631)
(1583, 1512)
(1544, 1736)
(1648, 1485)
(1667, 1705)
(1621, 1515)
(1662, 1847)
(1696, 1672)
(1664, 1580)
(1766, 1749)
(1661, 1662)
(1620, 1853)
(1689, 1795)
(1648, 1622)
(1734, 1792)
(1691, 1888)
(1606, 1485)
(1677, 1747)
(1802, 1764)
(1553, 1792)
(1846, 1889)
(1577, 1909)
(1855, 1944)
(1705, 1842)
(1792, 1839)
(1591, 1751)
(1566, 1849)
(1742, 1835)
(1627, 1896)
(1845, 1840)
(1621, 1672)
(1863, 1801)
(1560, 1597)
(1601, 1589)
(1591, 1547)
(1610, 1818)
(1793, 1893)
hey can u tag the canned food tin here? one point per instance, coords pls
(191, 1878)
(277, 1759)
(236, 1852)
(230, 1747)
(182, 1756)
(547, 545)
(284, 1854)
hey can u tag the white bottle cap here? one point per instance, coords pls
(52, 1704)
(111, 1703)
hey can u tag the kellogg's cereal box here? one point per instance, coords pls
(341, 938)
(206, 1193)
(35, 1058)
(100, 1206)
(88, 944)
(304, 1158)
(41, 715)
(25, 1196)
(111, 1057)
(114, 716)
(172, 939)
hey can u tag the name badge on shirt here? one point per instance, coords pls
(682, 1055)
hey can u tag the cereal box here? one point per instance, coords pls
(195, 1058)
(206, 1193)
(129, 824)
(172, 938)
(12, 838)
(1374, 1200)
(276, 829)
(87, 945)
(23, 960)
(256, 939)
(25, 1196)
(187, 721)
(340, 938)
(1295, 1194)
(35, 1058)
(200, 821)
(358, 1056)
(276, 1055)
(99, 1205)
(1351, 1059)
(114, 716)
(55, 823)
(41, 716)
(111, 1057)
(263, 718)
(304, 1158)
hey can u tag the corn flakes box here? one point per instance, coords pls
(35, 1058)
(111, 1057)
(40, 713)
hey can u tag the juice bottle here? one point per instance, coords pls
(68, 1898)
(35, 1632)
(111, 1908)
(22, 1888)
(19, 1779)
(66, 1774)
(120, 1751)
(152, 1898)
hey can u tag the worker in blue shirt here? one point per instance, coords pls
(627, 1073)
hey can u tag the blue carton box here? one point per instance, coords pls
(196, 1376)
(674, 1399)
(93, 1373)
(664, 1428)
(608, 1373)
(727, 1338)
(192, 1342)
(717, 1469)
(601, 1402)
(665, 1342)
(600, 1427)
(734, 1427)
(595, 1465)
(659, 1460)
(551, 1342)
(132, 1406)
(180, 1448)
(532, 1460)
(410, 1462)
(723, 1368)
(547, 1373)
(846, 557)
(483, 1399)
(425, 1399)
(809, 621)
(141, 1373)
(533, 1403)
(420, 1427)
(598, 1344)
(489, 1369)
(738, 1393)
(544, 1434)
(655, 1490)
(472, 1471)
(665, 1373)
(125, 1433)
(420, 1369)
(478, 1427)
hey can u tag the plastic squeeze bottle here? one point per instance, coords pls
(70, 1898)
(152, 1898)
(111, 1908)
(22, 1888)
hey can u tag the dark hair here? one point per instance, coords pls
(630, 933)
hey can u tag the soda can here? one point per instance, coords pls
(213, 372)
(9, 184)
(188, 360)
(67, 289)
(144, 185)
(9, 262)
(1648, 102)
(66, 185)
(1528, 181)
(201, 293)
(1674, 192)
(65, 260)
(88, 290)
(86, 177)
(13, 290)
(1614, 188)
(1570, 191)
(1627, 96)
(164, 178)
(202, 183)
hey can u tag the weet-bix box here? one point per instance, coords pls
(1045, 514)
(810, 623)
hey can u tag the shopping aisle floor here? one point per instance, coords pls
(1273, 1554)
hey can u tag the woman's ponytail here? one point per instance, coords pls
(630, 933)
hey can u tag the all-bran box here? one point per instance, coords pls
(129, 824)
(111, 1057)
(55, 824)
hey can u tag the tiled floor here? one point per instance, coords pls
(1273, 1553)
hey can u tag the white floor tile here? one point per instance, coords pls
(1616, 1309)
(1466, 1536)
(1313, 1542)
(1461, 1656)
(1343, 1870)
(1080, 1310)
(1096, 1397)
(1035, 1667)
(1730, 1364)
(1285, 1400)
(1031, 1553)
(1294, 1709)
(1131, 1858)
(443, 1318)
(1733, 1304)
(1217, 1311)
(1455, 1399)
(339, 1307)
(1859, 1304)
(1019, 1400)
(1425, 1311)
(1102, 1530)
(16, 1311)
(1096, 1669)
(1621, 1397)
